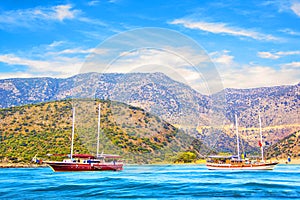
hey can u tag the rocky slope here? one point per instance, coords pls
(199, 115)
(278, 106)
(287, 147)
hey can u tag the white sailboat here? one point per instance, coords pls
(235, 162)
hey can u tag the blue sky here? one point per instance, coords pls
(251, 43)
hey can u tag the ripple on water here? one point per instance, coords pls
(151, 182)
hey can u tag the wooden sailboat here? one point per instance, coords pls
(235, 162)
(87, 162)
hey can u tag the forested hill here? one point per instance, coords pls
(45, 129)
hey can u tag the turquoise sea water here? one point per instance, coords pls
(151, 182)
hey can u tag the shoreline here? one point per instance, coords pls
(284, 161)
(21, 165)
(33, 165)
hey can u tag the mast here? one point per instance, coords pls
(237, 137)
(73, 127)
(261, 142)
(99, 115)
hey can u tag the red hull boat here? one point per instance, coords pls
(82, 162)
(87, 162)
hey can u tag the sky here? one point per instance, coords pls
(248, 43)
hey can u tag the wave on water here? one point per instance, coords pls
(151, 182)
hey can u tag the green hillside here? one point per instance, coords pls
(287, 147)
(45, 129)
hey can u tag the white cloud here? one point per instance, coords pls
(56, 44)
(177, 63)
(292, 65)
(8, 75)
(290, 32)
(93, 3)
(287, 53)
(169, 56)
(267, 55)
(42, 17)
(130, 61)
(72, 51)
(295, 7)
(259, 76)
(236, 75)
(286, 6)
(57, 67)
(78, 51)
(63, 12)
(92, 21)
(34, 16)
(222, 28)
(222, 58)
(57, 59)
(11, 59)
(276, 55)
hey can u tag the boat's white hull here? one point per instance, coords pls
(259, 166)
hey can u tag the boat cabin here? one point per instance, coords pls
(88, 158)
(224, 159)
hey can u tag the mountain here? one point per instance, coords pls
(289, 146)
(205, 117)
(155, 93)
(278, 106)
(46, 128)
(269, 101)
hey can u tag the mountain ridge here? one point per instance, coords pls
(56, 81)
(173, 101)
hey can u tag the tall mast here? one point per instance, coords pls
(237, 137)
(98, 137)
(73, 127)
(261, 142)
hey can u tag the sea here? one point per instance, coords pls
(151, 182)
